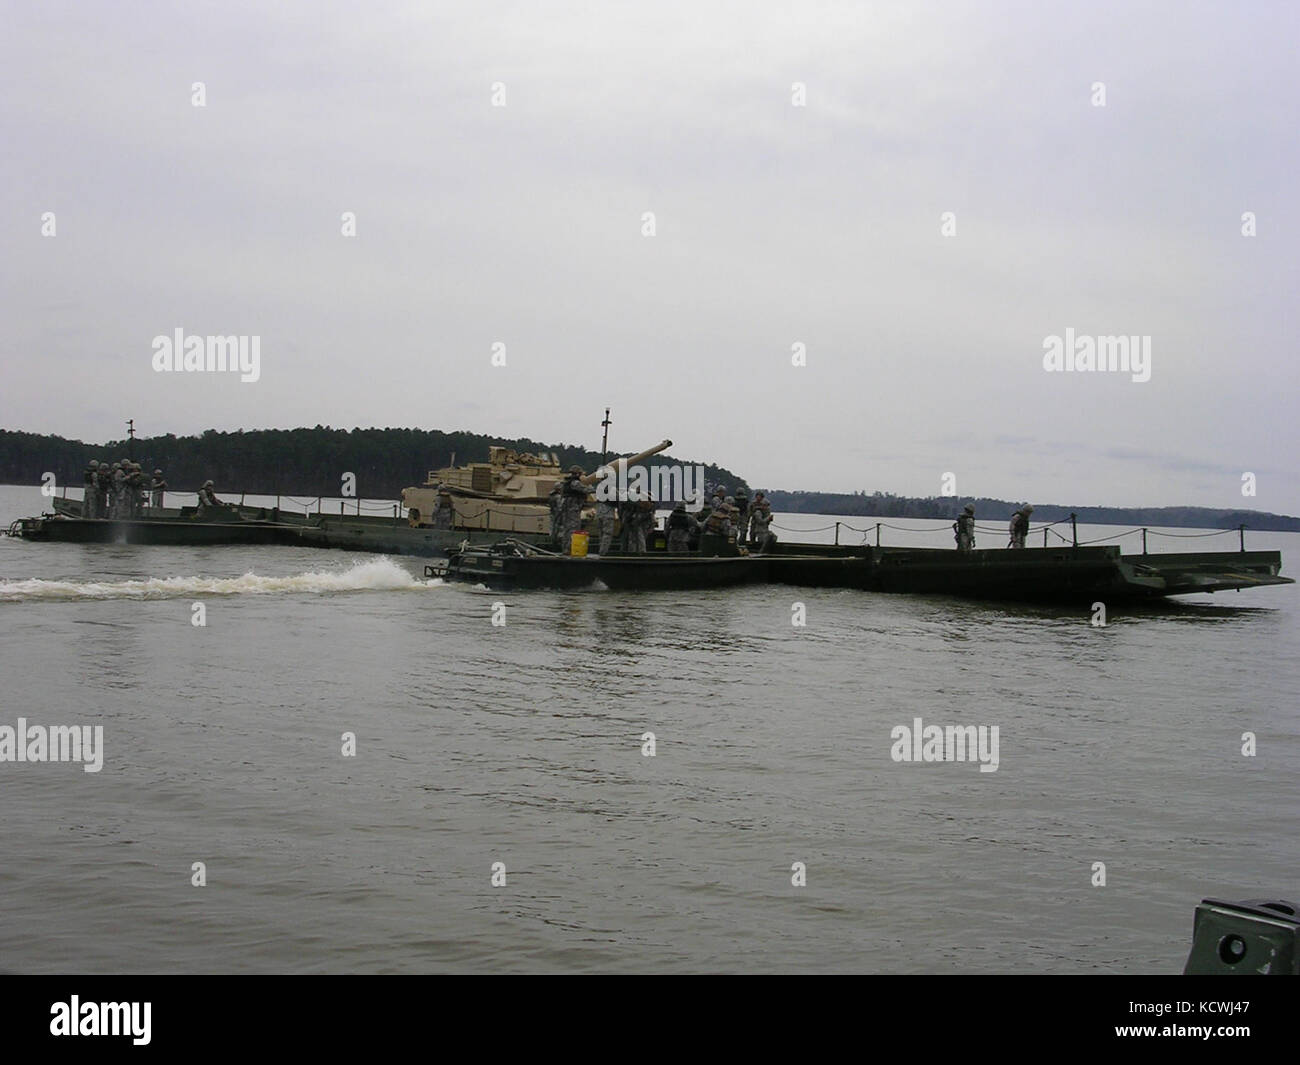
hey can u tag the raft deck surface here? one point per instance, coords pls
(1064, 574)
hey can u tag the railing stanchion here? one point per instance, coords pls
(1144, 541)
(1241, 532)
(877, 534)
(1074, 528)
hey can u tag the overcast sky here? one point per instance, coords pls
(775, 225)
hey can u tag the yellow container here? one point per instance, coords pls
(578, 545)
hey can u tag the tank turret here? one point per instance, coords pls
(508, 493)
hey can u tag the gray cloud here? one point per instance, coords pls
(775, 225)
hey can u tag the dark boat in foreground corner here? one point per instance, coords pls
(1064, 574)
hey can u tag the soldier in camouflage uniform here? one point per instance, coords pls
(759, 520)
(158, 487)
(741, 502)
(679, 527)
(1020, 526)
(556, 502)
(717, 529)
(117, 492)
(964, 527)
(606, 519)
(135, 491)
(103, 481)
(91, 496)
(573, 497)
(443, 509)
(627, 520)
(641, 522)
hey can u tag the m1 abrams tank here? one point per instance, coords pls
(507, 494)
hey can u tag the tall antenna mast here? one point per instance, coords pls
(604, 440)
(130, 439)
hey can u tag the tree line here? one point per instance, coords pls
(296, 462)
(311, 462)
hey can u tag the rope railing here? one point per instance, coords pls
(1112, 536)
(1195, 536)
(1046, 529)
(819, 528)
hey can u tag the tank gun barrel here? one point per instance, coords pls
(617, 464)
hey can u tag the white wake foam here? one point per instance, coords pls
(378, 574)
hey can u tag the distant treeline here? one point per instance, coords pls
(312, 462)
(297, 462)
(888, 505)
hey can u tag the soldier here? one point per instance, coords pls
(135, 490)
(627, 520)
(964, 527)
(208, 499)
(742, 515)
(443, 508)
(158, 487)
(606, 519)
(117, 492)
(1020, 526)
(103, 482)
(761, 535)
(649, 520)
(90, 497)
(680, 526)
(556, 503)
(717, 530)
(573, 498)
(641, 522)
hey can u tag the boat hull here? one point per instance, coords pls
(628, 573)
(1084, 575)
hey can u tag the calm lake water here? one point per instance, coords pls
(522, 744)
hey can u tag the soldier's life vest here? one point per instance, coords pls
(717, 522)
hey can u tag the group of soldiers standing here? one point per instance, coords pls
(121, 490)
(724, 524)
(964, 528)
(727, 520)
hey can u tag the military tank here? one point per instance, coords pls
(507, 494)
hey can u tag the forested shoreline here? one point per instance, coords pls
(312, 462)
